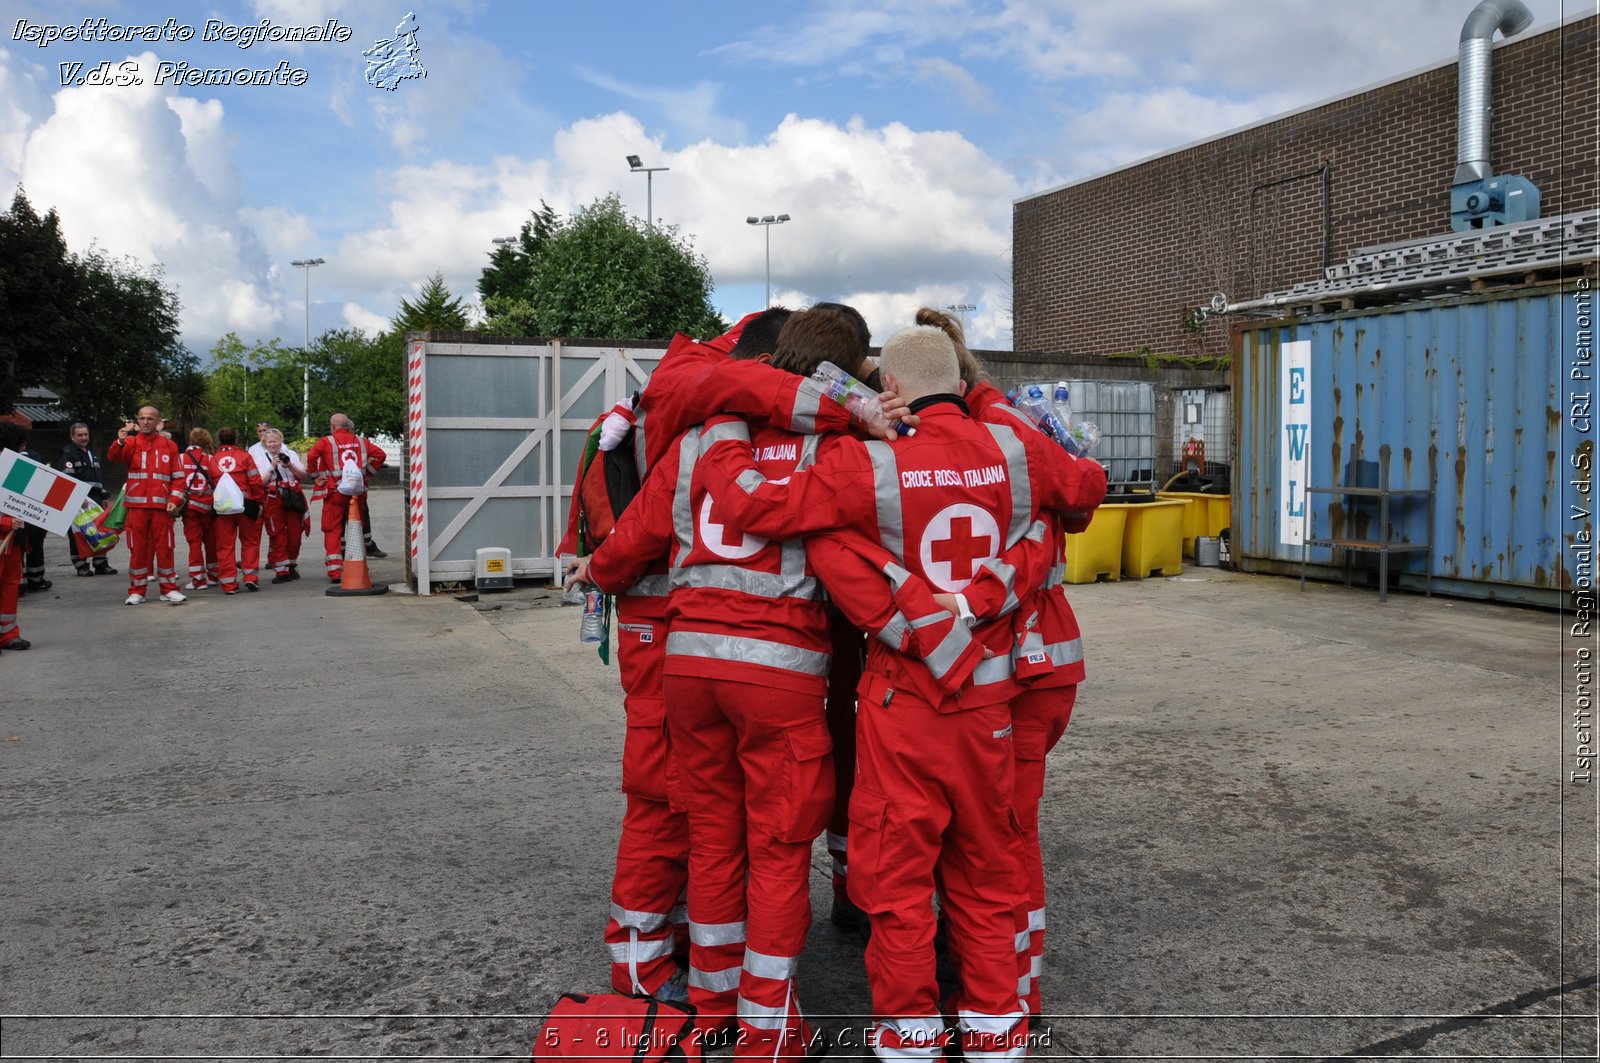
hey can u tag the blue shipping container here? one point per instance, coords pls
(1485, 397)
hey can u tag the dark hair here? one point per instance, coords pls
(227, 436)
(12, 436)
(760, 333)
(853, 316)
(811, 337)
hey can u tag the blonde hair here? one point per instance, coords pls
(923, 361)
(971, 372)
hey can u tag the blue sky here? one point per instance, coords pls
(896, 135)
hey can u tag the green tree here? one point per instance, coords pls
(185, 398)
(434, 308)
(510, 269)
(602, 274)
(362, 377)
(250, 383)
(123, 344)
(38, 293)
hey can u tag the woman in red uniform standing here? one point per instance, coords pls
(285, 509)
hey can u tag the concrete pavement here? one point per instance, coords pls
(1280, 825)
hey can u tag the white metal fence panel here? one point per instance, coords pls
(496, 434)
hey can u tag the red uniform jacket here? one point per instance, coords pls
(239, 467)
(198, 480)
(944, 502)
(328, 453)
(155, 470)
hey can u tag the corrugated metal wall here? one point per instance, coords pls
(1473, 394)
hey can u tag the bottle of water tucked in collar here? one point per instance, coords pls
(853, 395)
(593, 626)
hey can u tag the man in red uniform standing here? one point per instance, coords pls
(234, 462)
(154, 494)
(326, 462)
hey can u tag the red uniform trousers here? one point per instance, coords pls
(284, 526)
(335, 512)
(10, 577)
(149, 536)
(647, 891)
(933, 798)
(843, 675)
(755, 770)
(232, 565)
(200, 532)
(1038, 720)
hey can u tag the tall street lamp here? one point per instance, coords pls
(767, 221)
(305, 369)
(962, 308)
(649, 199)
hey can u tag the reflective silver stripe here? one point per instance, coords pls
(639, 951)
(944, 656)
(1007, 574)
(1021, 940)
(682, 504)
(727, 431)
(644, 922)
(1024, 985)
(1036, 966)
(1069, 652)
(995, 669)
(679, 915)
(788, 584)
(777, 968)
(993, 1025)
(656, 586)
(1036, 919)
(808, 400)
(639, 449)
(763, 1016)
(1017, 475)
(747, 651)
(710, 935)
(886, 488)
(724, 981)
(1056, 576)
(1030, 645)
(1016, 414)
(893, 633)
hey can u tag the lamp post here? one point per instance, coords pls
(305, 353)
(767, 221)
(649, 197)
(962, 308)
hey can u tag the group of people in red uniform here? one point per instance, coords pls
(225, 546)
(818, 632)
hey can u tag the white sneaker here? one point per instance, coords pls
(174, 597)
(193, 586)
(134, 599)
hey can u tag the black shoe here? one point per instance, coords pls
(373, 551)
(284, 578)
(104, 570)
(294, 573)
(16, 644)
(39, 585)
(252, 586)
(85, 570)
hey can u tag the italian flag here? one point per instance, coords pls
(46, 486)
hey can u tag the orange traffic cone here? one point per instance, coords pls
(353, 578)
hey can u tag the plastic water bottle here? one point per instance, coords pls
(1030, 400)
(1081, 437)
(593, 626)
(1063, 403)
(853, 395)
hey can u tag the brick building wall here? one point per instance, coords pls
(1114, 263)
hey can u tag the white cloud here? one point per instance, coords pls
(357, 316)
(693, 112)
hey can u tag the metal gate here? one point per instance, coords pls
(495, 430)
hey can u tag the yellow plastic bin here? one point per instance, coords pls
(1207, 515)
(1152, 542)
(1096, 554)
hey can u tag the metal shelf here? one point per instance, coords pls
(1383, 546)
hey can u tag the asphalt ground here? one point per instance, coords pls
(1282, 825)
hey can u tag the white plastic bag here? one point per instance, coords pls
(351, 481)
(227, 499)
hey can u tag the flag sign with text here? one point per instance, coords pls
(38, 494)
(1294, 460)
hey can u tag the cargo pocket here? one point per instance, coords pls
(806, 801)
(869, 836)
(644, 750)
